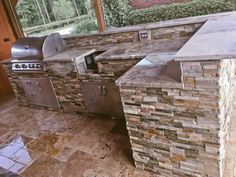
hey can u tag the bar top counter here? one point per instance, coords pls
(215, 40)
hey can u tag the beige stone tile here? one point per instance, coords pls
(3, 129)
(78, 164)
(88, 139)
(43, 167)
(76, 123)
(53, 122)
(106, 145)
(30, 128)
(14, 117)
(50, 143)
(65, 154)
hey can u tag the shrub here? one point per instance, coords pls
(86, 26)
(116, 12)
(180, 10)
(63, 9)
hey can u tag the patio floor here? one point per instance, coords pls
(39, 143)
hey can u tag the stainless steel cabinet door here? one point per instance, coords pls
(39, 91)
(102, 98)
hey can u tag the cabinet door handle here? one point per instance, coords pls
(100, 90)
(104, 91)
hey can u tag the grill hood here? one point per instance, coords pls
(37, 48)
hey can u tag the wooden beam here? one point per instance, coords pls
(14, 2)
(13, 18)
(99, 15)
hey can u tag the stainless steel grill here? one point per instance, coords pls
(27, 57)
(28, 52)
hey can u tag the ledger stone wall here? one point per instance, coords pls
(182, 132)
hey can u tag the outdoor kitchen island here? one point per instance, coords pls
(82, 87)
(178, 119)
(177, 89)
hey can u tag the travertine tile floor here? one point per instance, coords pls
(39, 143)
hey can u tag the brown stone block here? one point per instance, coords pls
(176, 158)
(187, 102)
(147, 108)
(132, 118)
(191, 153)
(170, 134)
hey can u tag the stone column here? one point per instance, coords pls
(182, 131)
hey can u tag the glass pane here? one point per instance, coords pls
(40, 17)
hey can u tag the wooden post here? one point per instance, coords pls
(14, 20)
(99, 15)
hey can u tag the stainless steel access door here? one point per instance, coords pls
(39, 91)
(102, 98)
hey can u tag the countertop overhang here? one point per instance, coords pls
(159, 70)
(215, 40)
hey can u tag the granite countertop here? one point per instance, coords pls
(138, 50)
(215, 40)
(117, 52)
(69, 55)
(152, 25)
(153, 71)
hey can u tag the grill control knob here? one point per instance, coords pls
(26, 46)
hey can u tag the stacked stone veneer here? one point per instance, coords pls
(182, 131)
(66, 81)
(66, 85)
(183, 31)
(111, 70)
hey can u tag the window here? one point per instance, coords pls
(40, 17)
